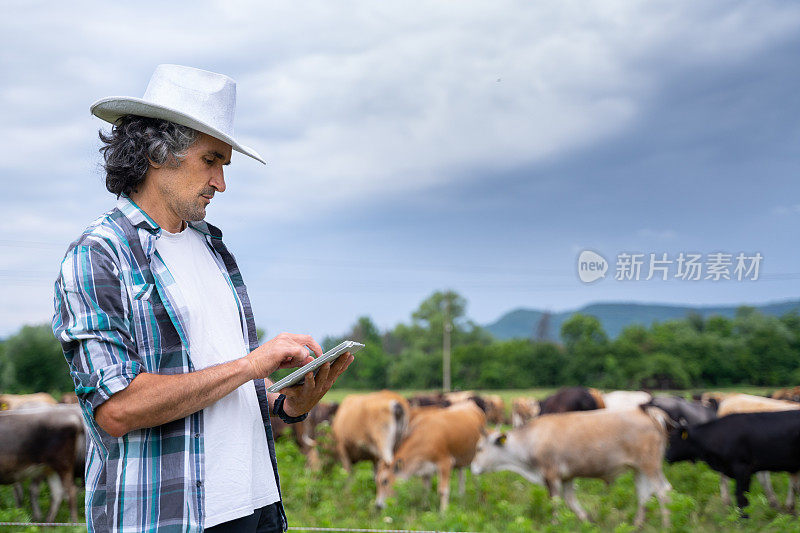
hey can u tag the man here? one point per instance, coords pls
(157, 328)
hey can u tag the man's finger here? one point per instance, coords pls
(341, 370)
(340, 361)
(324, 372)
(310, 381)
(308, 340)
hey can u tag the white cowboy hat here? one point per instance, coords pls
(202, 100)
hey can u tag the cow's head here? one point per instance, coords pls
(490, 453)
(681, 445)
(384, 481)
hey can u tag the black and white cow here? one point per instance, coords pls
(740, 445)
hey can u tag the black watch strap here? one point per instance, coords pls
(277, 409)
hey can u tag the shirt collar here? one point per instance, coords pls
(136, 215)
(206, 229)
(150, 231)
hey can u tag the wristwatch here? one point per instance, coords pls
(277, 409)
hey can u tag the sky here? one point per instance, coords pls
(422, 146)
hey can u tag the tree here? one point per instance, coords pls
(370, 368)
(35, 363)
(588, 352)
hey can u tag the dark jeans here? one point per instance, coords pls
(264, 520)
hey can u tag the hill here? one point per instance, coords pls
(614, 316)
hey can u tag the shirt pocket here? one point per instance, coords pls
(144, 325)
(157, 339)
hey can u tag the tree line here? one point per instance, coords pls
(695, 352)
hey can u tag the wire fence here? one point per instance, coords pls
(291, 528)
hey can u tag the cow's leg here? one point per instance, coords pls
(662, 493)
(572, 500)
(341, 451)
(462, 481)
(766, 483)
(724, 489)
(19, 494)
(554, 488)
(56, 495)
(36, 511)
(553, 484)
(794, 489)
(645, 487)
(312, 459)
(742, 486)
(445, 468)
(69, 485)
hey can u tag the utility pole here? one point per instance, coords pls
(446, 344)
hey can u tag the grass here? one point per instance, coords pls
(493, 502)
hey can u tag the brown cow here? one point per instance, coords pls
(791, 394)
(42, 442)
(369, 427)
(427, 400)
(491, 404)
(438, 440)
(495, 409)
(523, 410)
(14, 401)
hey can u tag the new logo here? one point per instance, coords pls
(591, 266)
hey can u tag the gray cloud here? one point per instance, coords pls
(351, 103)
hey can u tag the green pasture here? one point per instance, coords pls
(493, 502)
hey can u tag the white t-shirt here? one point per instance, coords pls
(238, 472)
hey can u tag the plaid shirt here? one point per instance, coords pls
(118, 312)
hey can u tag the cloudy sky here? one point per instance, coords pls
(416, 146)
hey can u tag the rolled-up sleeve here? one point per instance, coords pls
(91, 321)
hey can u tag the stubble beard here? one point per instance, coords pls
(190, 210)
(194, 212)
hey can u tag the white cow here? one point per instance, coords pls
(556, 449)
(625, 399)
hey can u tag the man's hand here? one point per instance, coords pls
(301, 398)
(287, 350)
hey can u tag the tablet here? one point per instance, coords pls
(297, 376)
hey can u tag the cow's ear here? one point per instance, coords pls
(398, 465)
(501, 439)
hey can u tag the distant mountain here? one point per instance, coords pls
(615, 316)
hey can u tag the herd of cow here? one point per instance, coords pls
(575, 433)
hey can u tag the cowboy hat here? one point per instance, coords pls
(202, 100)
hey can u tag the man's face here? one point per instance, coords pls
(188, 188)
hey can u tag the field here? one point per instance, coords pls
(494, 502)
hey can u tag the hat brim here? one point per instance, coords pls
(113, 108)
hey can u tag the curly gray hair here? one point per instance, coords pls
(134, 142)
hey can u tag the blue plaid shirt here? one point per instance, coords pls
(119, 313)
